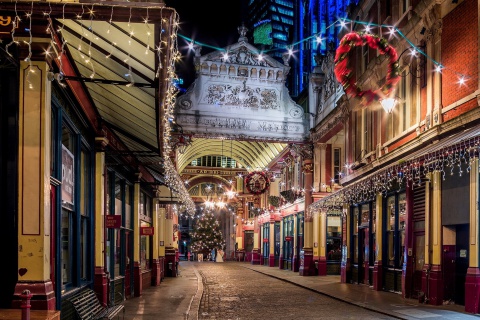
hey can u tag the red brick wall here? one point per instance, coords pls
(460, 52)
(455, 112)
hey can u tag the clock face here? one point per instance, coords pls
(257, 182)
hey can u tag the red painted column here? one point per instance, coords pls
(137, 279)
(472, 290)
(256, 254)
(100, 284)
(271, 244)
(156, 274)
(322, 266)
(377, 276)
(307, 265)
(435, 285)
(345, 265)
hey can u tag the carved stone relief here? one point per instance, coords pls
(242, 96)
(433, 22)
(241, 56)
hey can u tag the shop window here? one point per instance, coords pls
(248, 241)
(288, 238)
(145, 241)
(266, 240)
(355, 219)
(395, 214)
(66, 247)
(76, 202)
(390, 230)
(117, 247)
(128, 207)
(337, 165)
(145, 248)
(402, 221)
(251, 210)
(85, 209)
(277, 239)
(334, 238)
(300, 225)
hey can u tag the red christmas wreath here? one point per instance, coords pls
(344, 74)
(257, 182)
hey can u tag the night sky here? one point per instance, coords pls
(210, 22)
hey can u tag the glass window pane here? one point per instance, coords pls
(128, 208)
(85, 182)
(419, 252)
(355, 249)
(355, 220)
(148, 206)
(402, 211)
(365, 215)
(66, 249)
(391, 213)
(390, 248)
(83, 248)
(142, 204)
(117, 253)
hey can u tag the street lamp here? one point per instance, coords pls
(388, 104)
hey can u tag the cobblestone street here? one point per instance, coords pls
(232, 291)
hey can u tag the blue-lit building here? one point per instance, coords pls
(278, 24)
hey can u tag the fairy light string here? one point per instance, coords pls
(89, 60)
(147, 27)
(127, 60)
(15, 23)
(411, 173)
(29, 44)
(112, 43)
(49, 30)
(342, 23)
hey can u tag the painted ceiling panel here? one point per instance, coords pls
(113, 39)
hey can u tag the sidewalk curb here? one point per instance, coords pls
(192, 311)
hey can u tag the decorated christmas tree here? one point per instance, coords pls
(206, 234)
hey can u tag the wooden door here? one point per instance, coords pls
(419, 261)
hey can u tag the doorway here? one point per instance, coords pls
(461, 262)
(455, 264)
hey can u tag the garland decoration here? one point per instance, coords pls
(257, 182)
(344, 74)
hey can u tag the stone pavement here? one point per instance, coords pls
(387, 303)
(179, 298)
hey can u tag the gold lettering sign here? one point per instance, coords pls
(5, 21)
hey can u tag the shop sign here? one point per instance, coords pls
(6, 24)
(146, 231)
(265, 240)
(68, 178)
(288, 238)
(113, 221)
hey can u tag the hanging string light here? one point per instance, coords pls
(29, 43)
(393, 31)
(409, 174)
